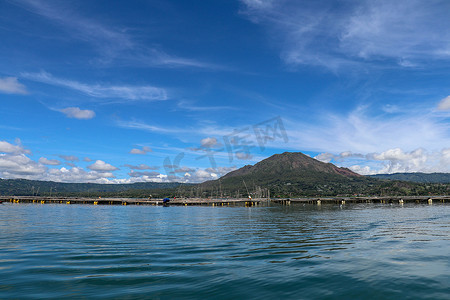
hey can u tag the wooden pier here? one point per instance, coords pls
(130, 201)
(226, 201)
(382, 200)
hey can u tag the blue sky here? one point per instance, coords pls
(132, 91)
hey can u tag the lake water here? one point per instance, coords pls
(267, 252)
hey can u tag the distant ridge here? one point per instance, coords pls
(416, 177)
(24, 187)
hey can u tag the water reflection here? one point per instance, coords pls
(367, 250)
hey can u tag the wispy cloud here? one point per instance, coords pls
(148, 127)
(362, 132)
(10, 85)
(189, 106)
(335, 35)
(406, 31)
(194, 130)
(124, 92)
(113, 42)
(159, 58)
(444, 104)
(109, 40)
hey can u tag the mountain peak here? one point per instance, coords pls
(291, 163)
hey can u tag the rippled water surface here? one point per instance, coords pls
(266, 252)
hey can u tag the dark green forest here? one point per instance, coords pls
(416, 177)
(23, 187)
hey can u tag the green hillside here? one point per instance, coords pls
(22, 187)
(416, 177)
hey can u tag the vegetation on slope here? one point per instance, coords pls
(416, 177)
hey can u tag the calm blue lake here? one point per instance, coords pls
(267, 252)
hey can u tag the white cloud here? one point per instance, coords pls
(444, 104)
(77, 174)
(202, 175)
(77, 113)
(395, 160)
(124, 92)
(142, 151)
(444, 157)
(10, 85)
(220, 171)
(144, 178)
(328, 157)
(399, 161)
(196, 176)
(49, 162)
(14, 149)
(100, 165)
(19, 166)
(363, 170)
(397, 154)
(14, 163)
(325, 157)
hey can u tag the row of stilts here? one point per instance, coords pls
(343, 202)
(213, 202)
(121, 202)
(56, 201)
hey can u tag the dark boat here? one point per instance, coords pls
(166, 201)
